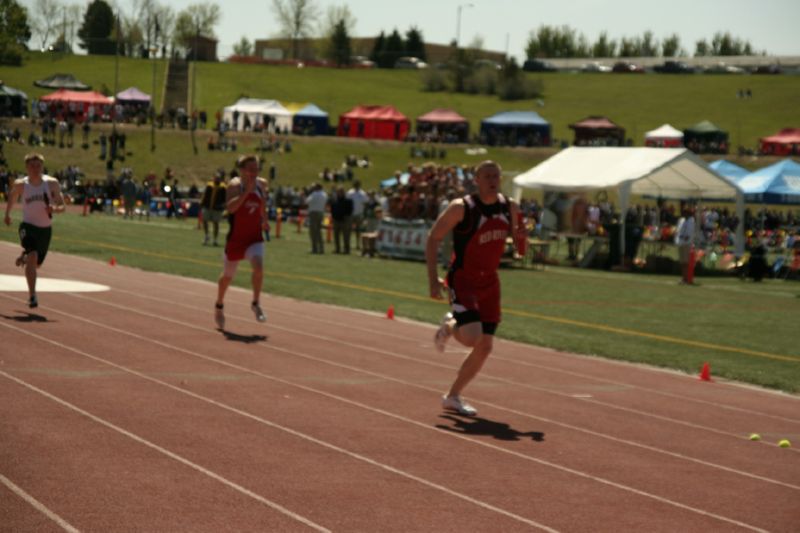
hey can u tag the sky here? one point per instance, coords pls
(505, 25)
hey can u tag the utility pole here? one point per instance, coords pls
(153, 48)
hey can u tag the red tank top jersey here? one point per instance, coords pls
(479, 240)
(245, 226)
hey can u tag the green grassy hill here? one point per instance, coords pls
(637, 102)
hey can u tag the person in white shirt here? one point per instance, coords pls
(684, 238)
(41, 197)
(317, 202)
(359, 199)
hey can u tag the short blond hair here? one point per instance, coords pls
(34, 156)
(243, 160)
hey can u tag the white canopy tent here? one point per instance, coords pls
(674, 173)
(255, 110)
(665, 135)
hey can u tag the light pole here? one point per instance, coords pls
(458, 20)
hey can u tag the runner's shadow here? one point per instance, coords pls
(26, 317)
(245, 339)
(471, 425)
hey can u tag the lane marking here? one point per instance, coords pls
(255, 418)
(152, 445)
(19, 284)
(419, 298)
(563, 468)
(517, 345)
(396, 355)
(36, 504)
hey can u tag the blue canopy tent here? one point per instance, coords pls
(310, 120)
(515, 128)
(775, 184)
(728, 170)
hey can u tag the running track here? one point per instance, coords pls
(126, 411)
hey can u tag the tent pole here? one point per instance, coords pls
(624, 199)
(739, 248)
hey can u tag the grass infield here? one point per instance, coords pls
(746, 331)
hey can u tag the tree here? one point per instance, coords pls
(196, 19)
(339, 51)
(333, 16)
(243, 48)
(296, 19)
(648, 45)
(14, 32)
(394, 50)
(604, 47)
(550, 41)
(415, 46)
(45, 20)
(671, 47)
(701, 48)
(95, 33)
(377, 48)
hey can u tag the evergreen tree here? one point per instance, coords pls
(377, 48)
(340, 44)
(14, 32)
(415, 46)
(95, 33)
(671, 47)
(394, 49)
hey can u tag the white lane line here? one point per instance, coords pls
(255, 418)
(164, 451)
(486, 376)
(585, 475)
(512, 360)
(36, 504)
(514, 344)
(432, 389)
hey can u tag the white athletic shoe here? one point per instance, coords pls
(219, 317)
(455, 403)
(443, 333)
(260, 316)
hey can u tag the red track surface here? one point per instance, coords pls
(125, 410)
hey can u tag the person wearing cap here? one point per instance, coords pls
(245, 201)
(41, 197)
(213, 205)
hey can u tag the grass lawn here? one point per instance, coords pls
(746, 331)
(638, 103)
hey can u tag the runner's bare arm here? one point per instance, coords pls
(234, 197)
(443, 225)
(514, 209)
(58, 199)
(13, 196)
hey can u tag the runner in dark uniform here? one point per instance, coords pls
(245, 202)
(479, 224)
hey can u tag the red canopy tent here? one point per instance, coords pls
(373, 122)
(82, 99)
(444, 122)
(598, 131)
(785, 142)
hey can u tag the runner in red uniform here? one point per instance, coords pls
(480, 224)
(246, 206)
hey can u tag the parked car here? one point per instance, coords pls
(723, 68)
(768, 69)
(595, 66)
(410, 63)
(626, 67)
(537, 65)
(361, 62)
(488, 63)
(674, 67)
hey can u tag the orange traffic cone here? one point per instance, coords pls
(113, 261)
(390, 312)
(705, 373)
